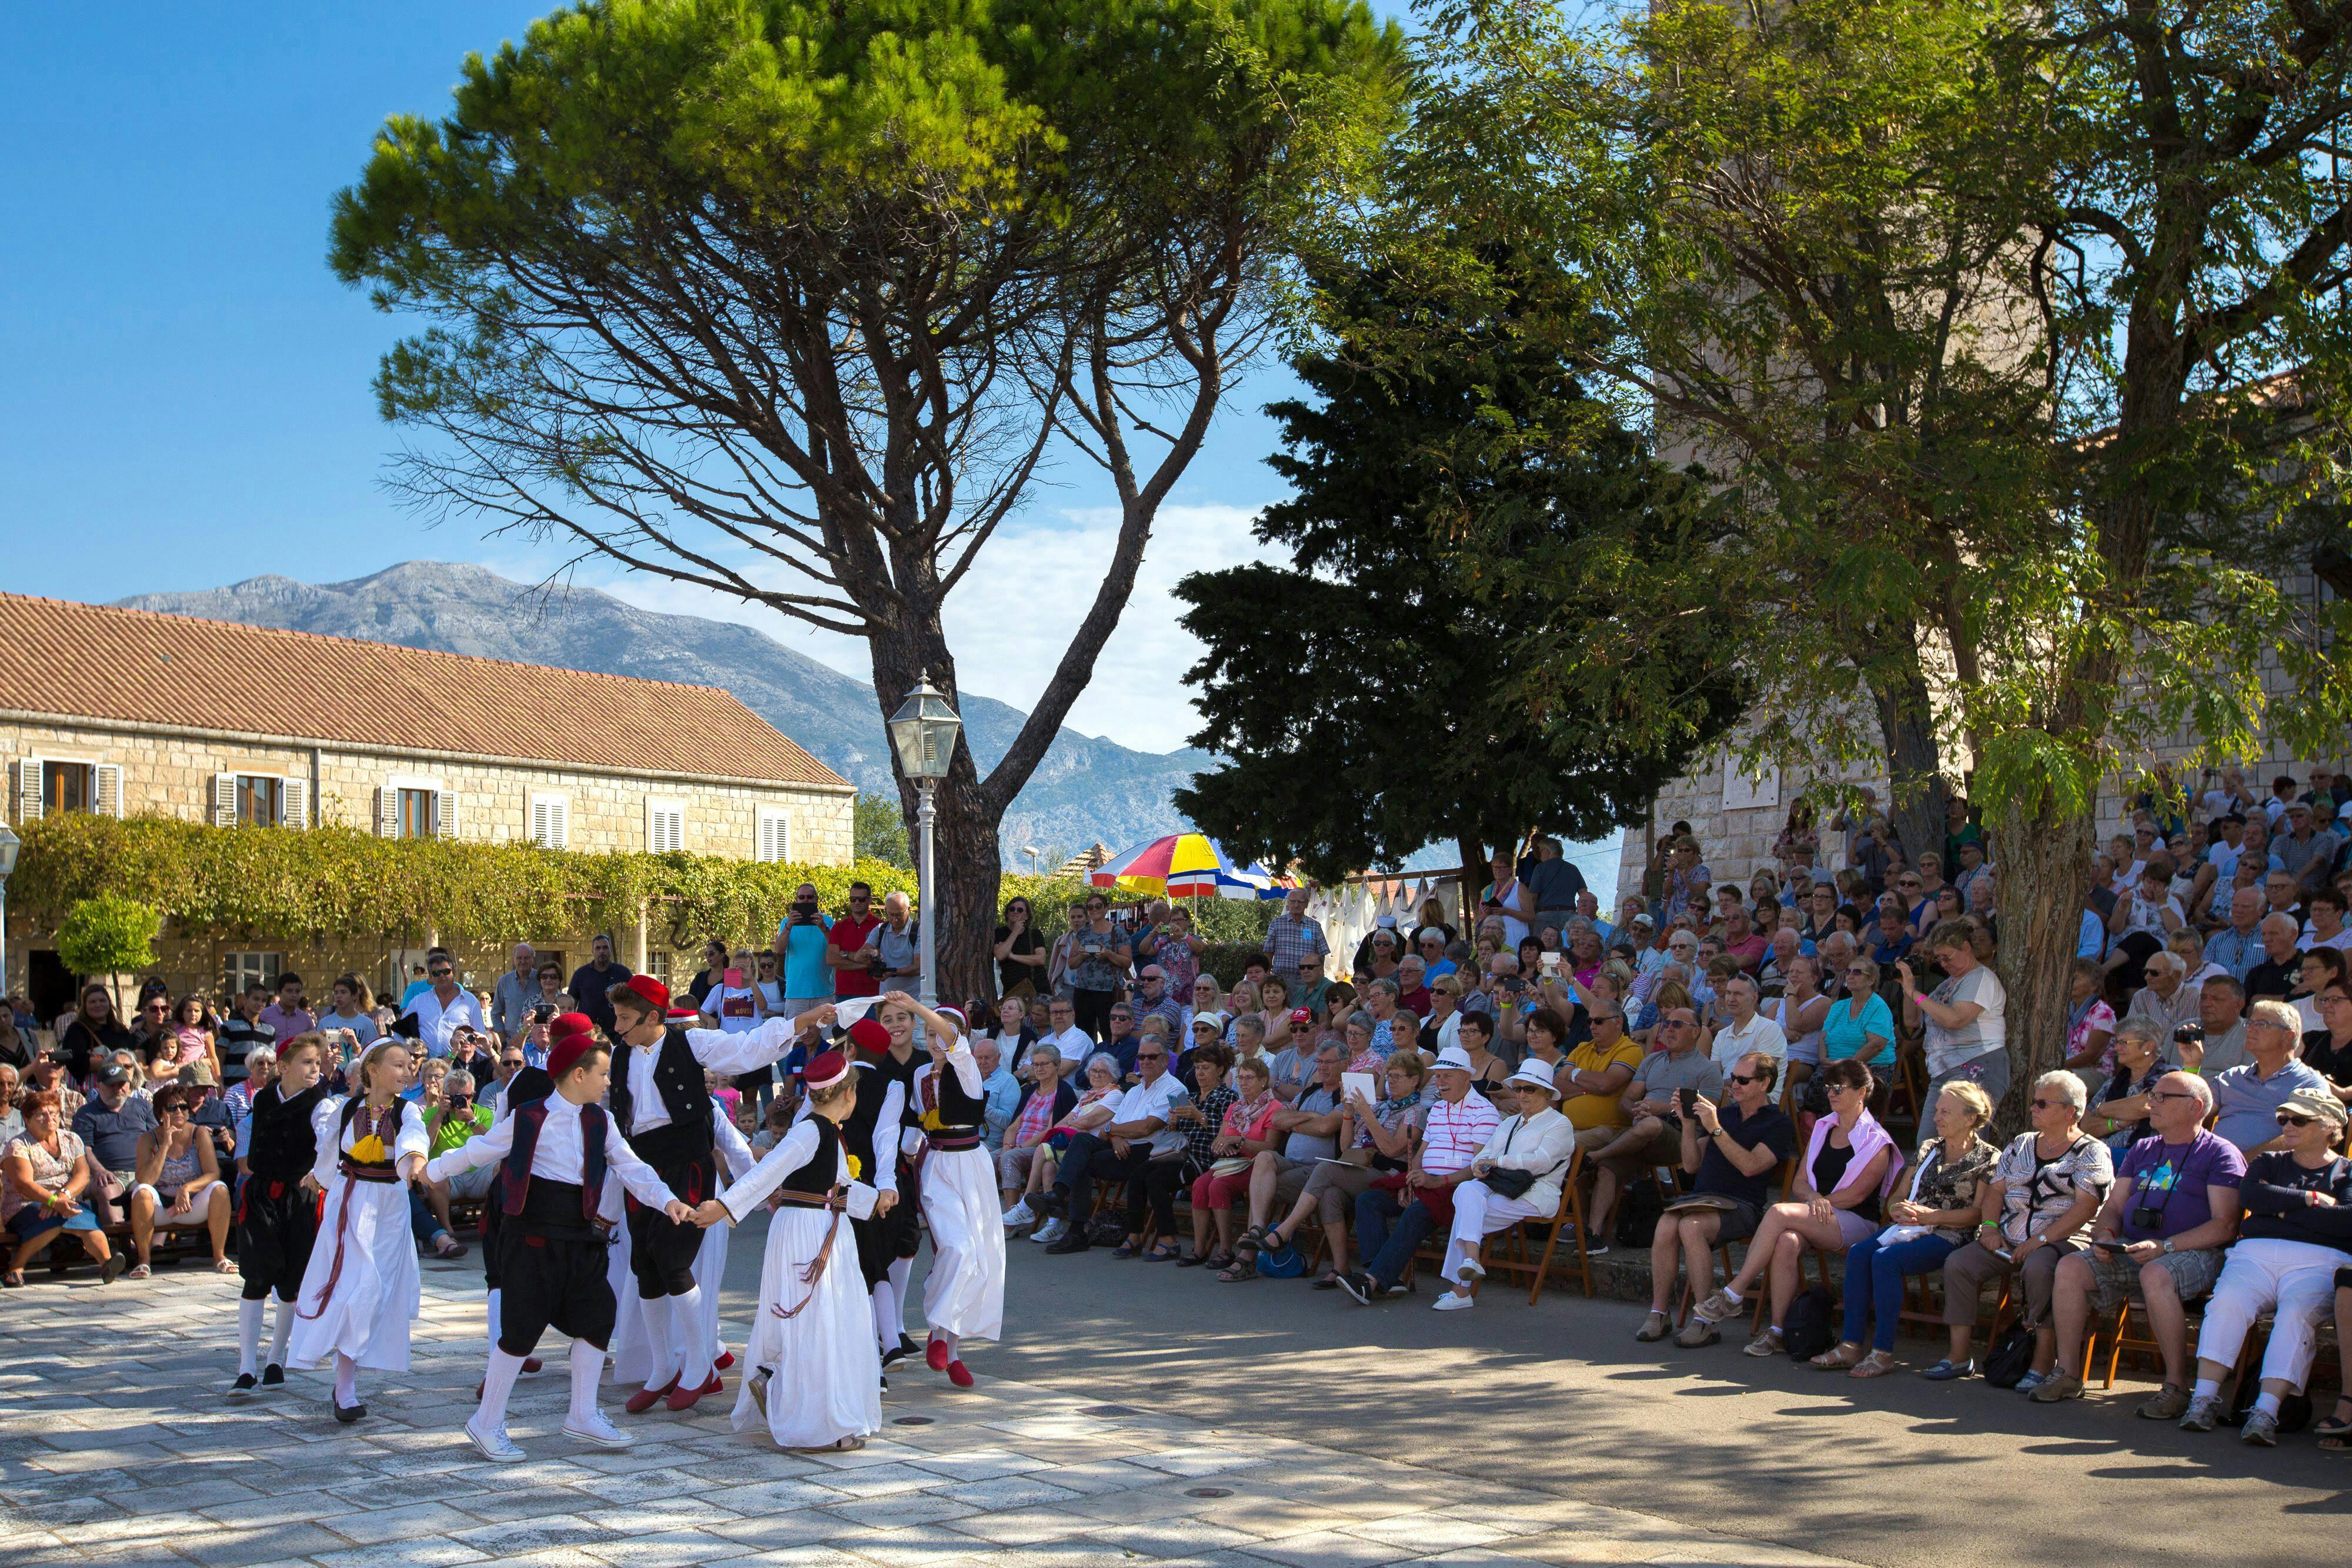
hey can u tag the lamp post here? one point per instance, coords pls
(924, 730)
(9, 845)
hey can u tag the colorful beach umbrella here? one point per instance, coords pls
(1186, 865)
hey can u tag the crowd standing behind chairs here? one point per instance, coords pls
(1707, 1068)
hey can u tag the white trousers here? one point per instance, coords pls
(1479, 1211)
(2295, 1279)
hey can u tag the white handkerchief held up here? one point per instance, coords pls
(861, 1200)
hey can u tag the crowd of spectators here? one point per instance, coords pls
(1757, 1045)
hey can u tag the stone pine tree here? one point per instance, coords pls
(1365, 697)
(794, 303)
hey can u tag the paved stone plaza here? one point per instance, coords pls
(131, 1456)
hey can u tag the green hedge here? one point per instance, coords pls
(342, 882)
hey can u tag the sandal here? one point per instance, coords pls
(1837, 1358)
(1255, 1239)
(1163, 1254)
(1126, 1249)
(14, 1280)
(1193, 1261)
(223, 1266)
(1243, 1268)
(2335, 1434)
(138, 1271)
(1877, 1363)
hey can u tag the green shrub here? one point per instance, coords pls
(108, 935)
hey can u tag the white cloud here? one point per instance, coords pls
(1009, 620)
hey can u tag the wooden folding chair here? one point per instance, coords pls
(1520, 1257)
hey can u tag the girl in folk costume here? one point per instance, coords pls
(884, 1067)
(278, 1213)
(361, 1286)
(814, 1379)
(633, 1356)
(554, 1153)
(963, 1296)
(662, 1104)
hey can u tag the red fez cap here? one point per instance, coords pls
(648, 990)
(870, 1034)
(563, 1026)
(826, 1069)
(568, 1053)
(680, 1015)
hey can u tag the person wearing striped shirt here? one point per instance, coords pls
(1459, 1124)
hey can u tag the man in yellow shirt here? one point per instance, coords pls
(1593, 1077)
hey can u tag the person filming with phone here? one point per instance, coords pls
(1730, 1151)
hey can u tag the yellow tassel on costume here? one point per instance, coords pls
(370, 1150)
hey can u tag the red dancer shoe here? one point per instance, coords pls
(645, 1399)
(958, 1374)
(682, 1399)
(938, 1356)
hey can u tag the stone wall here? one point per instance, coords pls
(169, 774)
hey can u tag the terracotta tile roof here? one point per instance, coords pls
(94, 661)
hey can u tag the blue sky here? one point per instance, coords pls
(186, 402)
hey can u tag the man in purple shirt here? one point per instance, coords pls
(287, 1016)
(2157, 1241)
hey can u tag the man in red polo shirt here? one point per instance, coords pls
(850, 948)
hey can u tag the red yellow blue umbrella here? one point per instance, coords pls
(1184, 866)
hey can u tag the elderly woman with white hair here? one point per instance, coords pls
(1516, 1177)
(2044, 1188)
(2294, 1241)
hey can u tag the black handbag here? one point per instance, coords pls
(1513, 1184)
(2009, 1357)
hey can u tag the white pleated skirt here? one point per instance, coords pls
(965, 1292)
(825, 1381)
(377, 1290)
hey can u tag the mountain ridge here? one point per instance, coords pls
(1085, 790)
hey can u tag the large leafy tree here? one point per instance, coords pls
(2012, 336)
(792, 301)
(1368, 697)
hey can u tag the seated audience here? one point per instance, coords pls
(1859, 1024)
(1139, 1132)
(110, 1125)
(1730, 1152)
(1375, 1141)
(2328, 1049)
(2042, 1193)
(1652, 1106)
(1535, 1142)
(2155, 1242)
(1240, 1124)
(1456, 1129)
(1045, 1099)
(178, 1185)
(44, 1174)
(1926, 1224)
(2120, 1116)
(1090, 1111)
(1309, 1129)
(2294, 1246)
(2247, 1097)
(1834, 1201)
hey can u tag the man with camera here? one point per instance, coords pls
(1730, 1152)
(2157, 1241)
(804, 938)
(1652, 1103)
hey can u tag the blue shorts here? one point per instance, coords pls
(34, 1220)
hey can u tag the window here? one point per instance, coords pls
(243, 968)
(259, 801)
(45, 785)
(550, 821)
(776, 836)
(415, 808)
(665, 826)
(68, 787)
(657, 965)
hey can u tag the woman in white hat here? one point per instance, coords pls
(1516, 1177)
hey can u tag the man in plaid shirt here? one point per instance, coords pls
(1291, 937)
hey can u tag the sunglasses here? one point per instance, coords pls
(1151, 1056)
(2171, 1094)
(2050, 1104)
(1745, 1078)
(510, 1061)
(440, 973)
(2289, 1119)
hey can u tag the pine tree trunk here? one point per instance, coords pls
(2043, 874)
(965, 861)
(1473, 850)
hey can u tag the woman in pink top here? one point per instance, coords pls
(1247, 1130)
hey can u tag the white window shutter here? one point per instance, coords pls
(28, 790)
(444, 814)
(559, 817)
(225, 799)
(776, 836)
(388, 812)
(540, 827)
(108, 777)
(293, 803)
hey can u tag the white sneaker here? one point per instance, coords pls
(1049, 1231)
(1451, 1302)
(496, 1446)
(1018, 1216)
(1469, 1270)
(594, 1428)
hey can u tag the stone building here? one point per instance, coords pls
(137, 714)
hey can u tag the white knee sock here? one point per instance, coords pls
(492, 1314)
(498, 1384)
(2269, 1403)
(694, 1351)
(248, 1337)
(346, 1381)
(281, 1333)
(953, 1341)
(887, 1320)
(587, 1368)
(661, 1344)
(898, 1272)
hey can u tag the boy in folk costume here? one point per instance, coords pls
(815, 1380)
(362, 1286)
(661, 1104)
(963, 1296)
(877, 1118)
(528, 1085)
(554, 1153)
(277, 1211)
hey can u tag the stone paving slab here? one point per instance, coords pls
(107, 1460)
